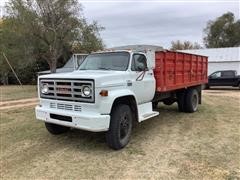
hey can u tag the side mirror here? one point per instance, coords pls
(141, 67)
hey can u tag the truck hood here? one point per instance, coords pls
(101, 78)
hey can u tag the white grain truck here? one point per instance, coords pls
(111, 89)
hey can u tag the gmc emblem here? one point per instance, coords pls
(63, 89)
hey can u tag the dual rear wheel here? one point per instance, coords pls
(188, 100)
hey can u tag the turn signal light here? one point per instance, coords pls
(104, 93)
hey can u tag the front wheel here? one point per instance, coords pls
(120, 128)
(56, 129)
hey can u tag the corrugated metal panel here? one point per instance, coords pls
(218, 54)
(179, 70)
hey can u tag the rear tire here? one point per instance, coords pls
(191, 100)
(181, 100)
(120, 128)
(56, 129)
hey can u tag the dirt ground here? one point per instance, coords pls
(202, 145)
(18, 103)
(14, 92)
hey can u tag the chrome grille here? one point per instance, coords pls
(67, 90)
(67, 107)
(53, 105)
(77, 108)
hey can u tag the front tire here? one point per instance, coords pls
(56, 129)
(120, 128)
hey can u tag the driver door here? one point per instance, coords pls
(215, 79)
(143, 81)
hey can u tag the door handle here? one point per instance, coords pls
(150, 74)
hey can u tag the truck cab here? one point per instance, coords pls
(108, 91)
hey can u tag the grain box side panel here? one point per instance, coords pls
(176, 70)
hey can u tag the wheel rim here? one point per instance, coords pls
(124, 126)
(195, 102)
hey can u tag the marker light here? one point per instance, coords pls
(104, 93)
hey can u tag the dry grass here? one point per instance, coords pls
(14, 92)
(202, 145)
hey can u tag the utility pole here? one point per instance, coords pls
(11, 68)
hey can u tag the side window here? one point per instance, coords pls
(228, 74)
(216, 75)
(139, 63)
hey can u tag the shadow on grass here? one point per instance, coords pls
(91, 141)
(223, 88)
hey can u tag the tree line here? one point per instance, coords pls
(42, 34)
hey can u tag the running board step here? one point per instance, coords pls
(145, 111)
(148, 115)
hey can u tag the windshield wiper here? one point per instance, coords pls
(83, 69)
(103, 68)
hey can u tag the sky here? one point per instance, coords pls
(154, 22)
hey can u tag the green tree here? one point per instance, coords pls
(89, 41)
(222, 32)
(13, 45)
(178, 45)
(38, 33)
(52, 28)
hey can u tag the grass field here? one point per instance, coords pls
(202, 145)
(14, 92)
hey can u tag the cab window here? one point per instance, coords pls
(139, 63)
(216, 75)
(228, 74)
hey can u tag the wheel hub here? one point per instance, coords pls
(194, 101)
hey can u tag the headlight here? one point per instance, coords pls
(86, 91)
(44, 89)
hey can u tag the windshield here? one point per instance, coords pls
(117, 61)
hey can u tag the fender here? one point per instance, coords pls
(107, 102)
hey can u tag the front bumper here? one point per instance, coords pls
(88, 122)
